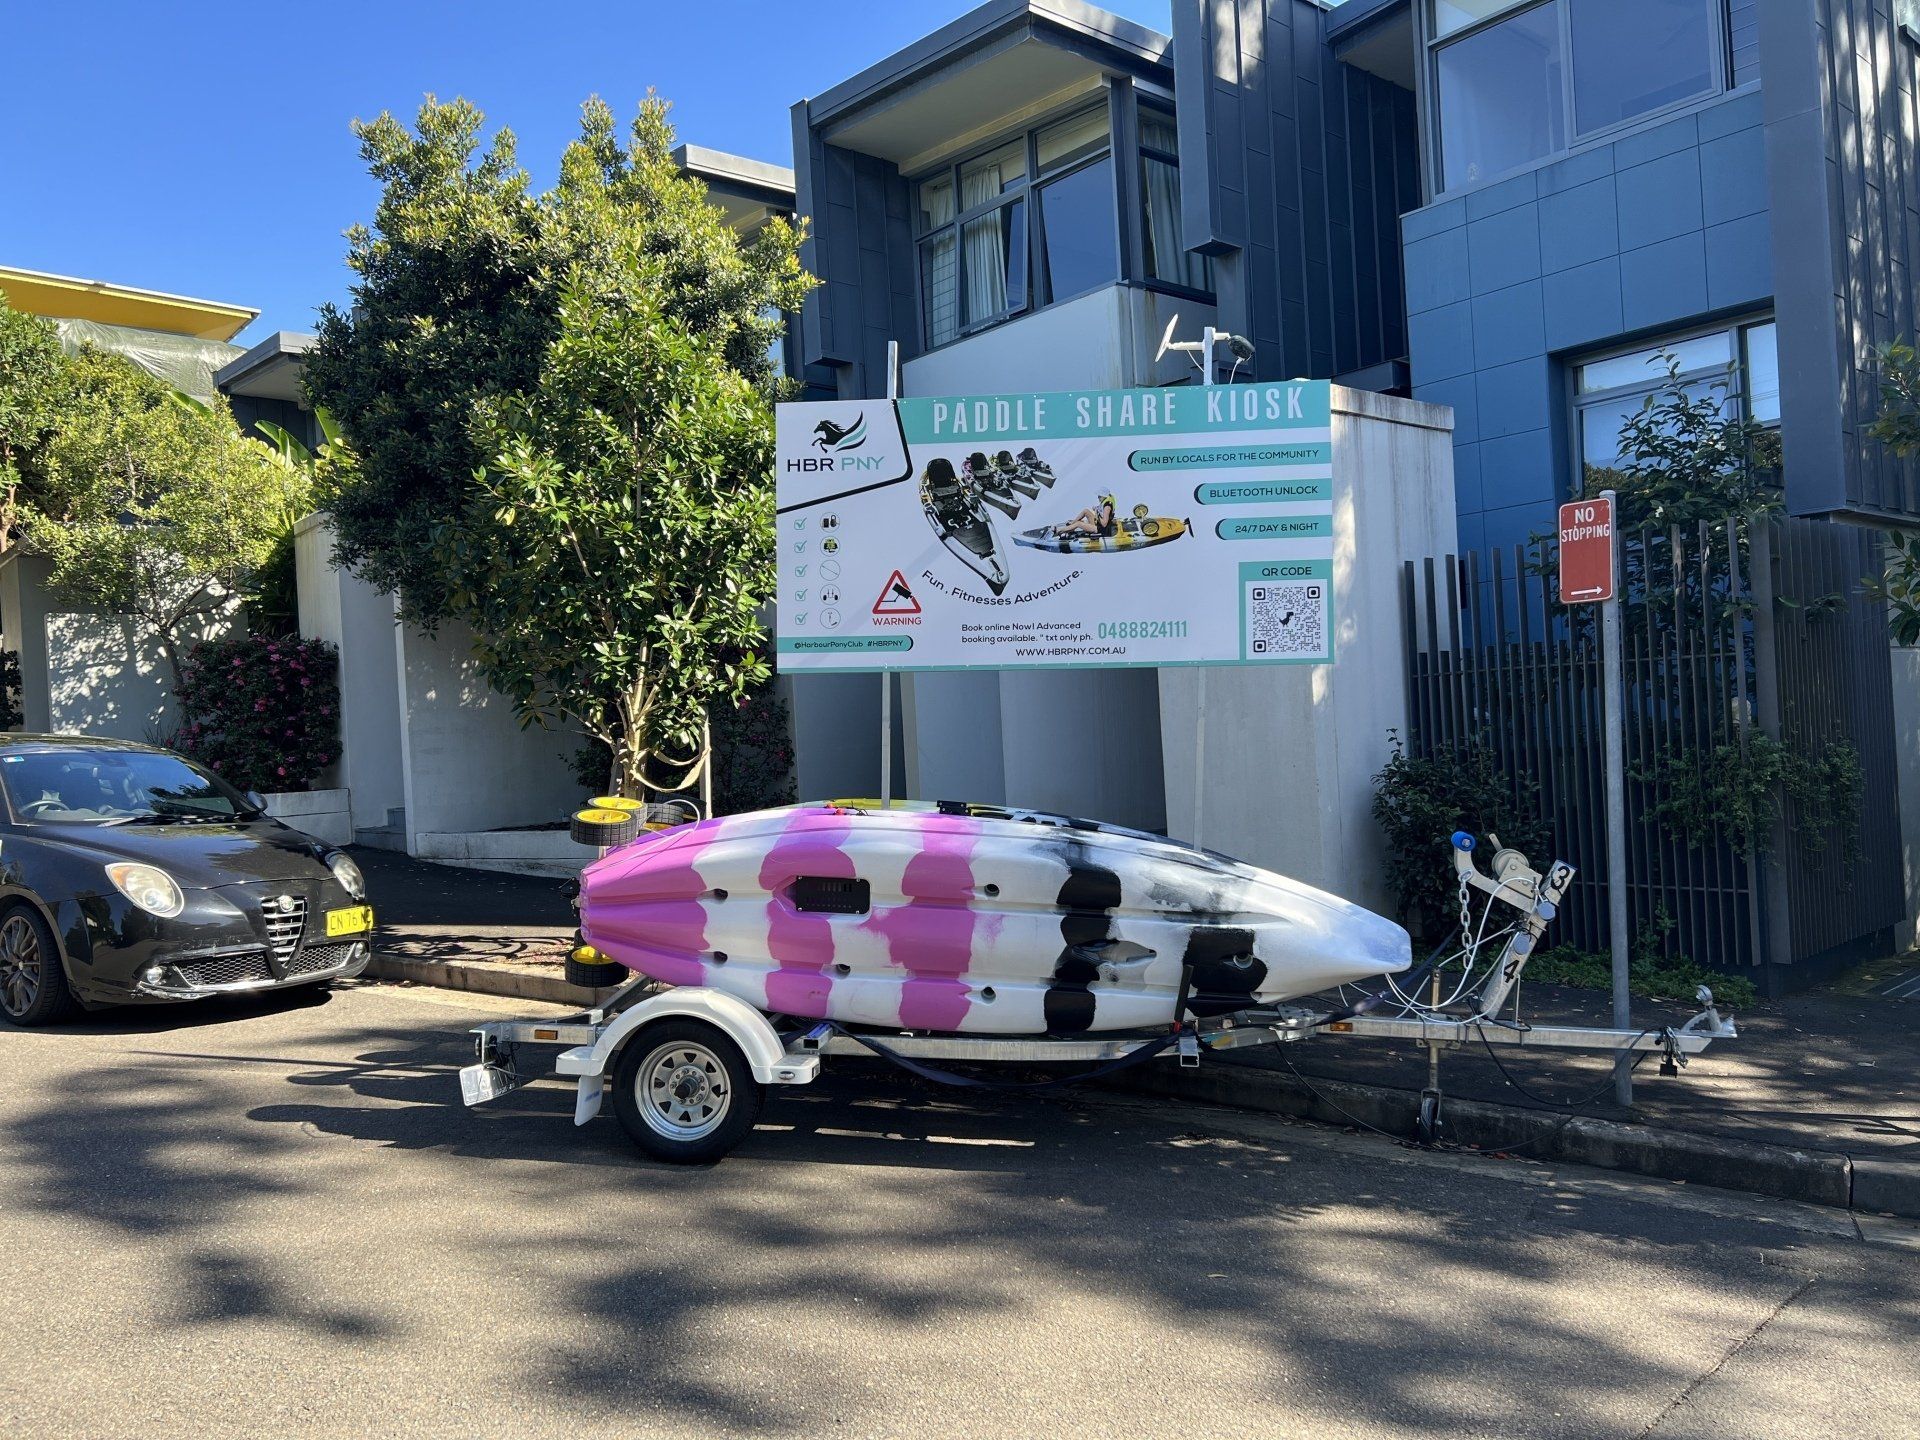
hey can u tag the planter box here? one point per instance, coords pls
(324, 814)
(517, 852)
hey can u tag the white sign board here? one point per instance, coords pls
(1182, 526)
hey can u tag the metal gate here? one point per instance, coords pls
(1730, 632)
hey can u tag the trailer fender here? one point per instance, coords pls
(742, 1024)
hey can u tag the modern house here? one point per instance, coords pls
(1507, 208)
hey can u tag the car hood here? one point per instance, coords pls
(198, 856)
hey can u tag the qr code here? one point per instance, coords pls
(1287, 622)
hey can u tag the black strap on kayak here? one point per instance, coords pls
(1146, 1051)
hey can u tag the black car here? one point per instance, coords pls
(130, 875)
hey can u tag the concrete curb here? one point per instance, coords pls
(512, 982)
(1820, 1177)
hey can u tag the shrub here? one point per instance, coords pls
(1421, 800)
(1651, 974)
(262, 713)
(752, 753)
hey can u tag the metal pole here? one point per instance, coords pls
(1616, 763)
(886, 676)
(1207, 339)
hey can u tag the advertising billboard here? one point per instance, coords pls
(1178, 526)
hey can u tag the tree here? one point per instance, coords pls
(560, 422)
(616, 550)
(33, 373)
(1898, 428)
(456, 300)
(153, 506)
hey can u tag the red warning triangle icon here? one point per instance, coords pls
(896, 598)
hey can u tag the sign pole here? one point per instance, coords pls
(886, 676)
(1207, 340)
(1616, 758)
(1590, 575)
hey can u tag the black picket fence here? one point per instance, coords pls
(1733, 637)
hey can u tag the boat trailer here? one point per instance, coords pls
(688, 1087)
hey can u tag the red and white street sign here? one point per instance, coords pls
(1586, 551)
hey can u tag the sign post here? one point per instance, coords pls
(886, 676)
(1590, 574)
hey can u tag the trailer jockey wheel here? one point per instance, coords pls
(1430, 1123)
(603, 826)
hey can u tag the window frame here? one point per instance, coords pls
(1720, 59)
(1144, 152)
(1736, 329)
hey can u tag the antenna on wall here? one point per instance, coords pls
(1200, 351)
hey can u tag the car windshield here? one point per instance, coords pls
(114, 787)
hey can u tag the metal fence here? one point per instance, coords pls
(1729, 632)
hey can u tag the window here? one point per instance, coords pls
(1518, 81)
(1167, 258)
(1610, 390)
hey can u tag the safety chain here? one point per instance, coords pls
(1466, 920)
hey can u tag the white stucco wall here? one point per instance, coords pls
(358, 619)
(83, 673)
(1291, 750)
(1906, 743)
(998, 738)
(468, 763)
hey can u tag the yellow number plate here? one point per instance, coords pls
(350, 921)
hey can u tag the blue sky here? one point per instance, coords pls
(203, 148)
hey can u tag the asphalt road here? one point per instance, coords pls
(275, 1219)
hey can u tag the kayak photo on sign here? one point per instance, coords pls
(1178, 526)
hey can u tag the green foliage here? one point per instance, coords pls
(11, 714)
(458, 301)
(1419, 801)
(153, 506)
(1687, 456)
(1898, 428)
(33, 374)
(752, 753)
(1652, 973)
(1738, 794)
(273, 608)
(560, 409)
(262, 712)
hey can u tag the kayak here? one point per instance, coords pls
(1136, 534)
(955, 511)
(970, 918)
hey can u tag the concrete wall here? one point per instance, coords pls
(468, 763)
(969, 736)
(352, 615)
(1291, 751)
(1648, 232)
(83, 673)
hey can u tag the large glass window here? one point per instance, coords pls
(1516, 81)
(1737, 366)
(1167, 258)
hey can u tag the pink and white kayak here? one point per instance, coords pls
(970, 919)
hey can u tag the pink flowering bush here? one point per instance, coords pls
(262, 712)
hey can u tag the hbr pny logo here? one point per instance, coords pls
(835, 441)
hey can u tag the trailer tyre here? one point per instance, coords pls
(684, 1092)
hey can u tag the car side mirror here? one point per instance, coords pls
(256, 800)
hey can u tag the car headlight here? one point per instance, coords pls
(348, 874)
(149, 887)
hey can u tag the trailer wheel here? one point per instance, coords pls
(684, 1092)
(595, 974)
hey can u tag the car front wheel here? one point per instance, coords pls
(33, 983)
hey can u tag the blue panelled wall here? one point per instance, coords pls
(1651, 233)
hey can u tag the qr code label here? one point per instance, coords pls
(1286, 622)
